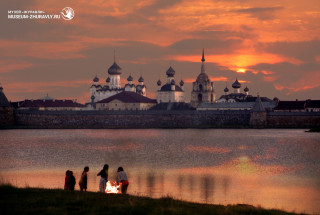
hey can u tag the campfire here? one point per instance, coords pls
(112, 187)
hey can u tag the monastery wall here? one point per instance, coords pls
(164, 119)
(6, 117)
(132, 119)
(293, 119)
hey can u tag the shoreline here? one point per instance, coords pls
(19, 127)
(57, 201)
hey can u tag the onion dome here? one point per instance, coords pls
(114, 69)
(159, 83)
(108, 80)
(173, 82)
(130, 78)
(141, 79)
(170, 72)
(246, 89)
(236, 84)
(226, 90)
(96, 79)
(181, 83)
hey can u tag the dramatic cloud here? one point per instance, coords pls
(262, 13)
(273, 46)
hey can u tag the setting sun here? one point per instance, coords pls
(241, 70)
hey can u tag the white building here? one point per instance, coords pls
(236, 96)
(126, 101)
(170, 92)
(113, 85)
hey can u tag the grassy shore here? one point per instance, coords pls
(52, 201)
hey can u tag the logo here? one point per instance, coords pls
(67, 13)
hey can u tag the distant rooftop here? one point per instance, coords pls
(49, 103)
(128, 97)
(291, 105)
(239, 105)
(3, 99)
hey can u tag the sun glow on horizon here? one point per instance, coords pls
(241, 70)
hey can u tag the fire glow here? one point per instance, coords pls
(112, 188)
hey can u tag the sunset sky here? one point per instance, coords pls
(271, 46)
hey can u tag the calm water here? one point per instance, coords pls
(271, 168)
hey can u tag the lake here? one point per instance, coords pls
(272, 168)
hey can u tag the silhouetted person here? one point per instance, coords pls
(122, 180)
(67, 180)
(103, 178)
(72, 181)
(84, 179)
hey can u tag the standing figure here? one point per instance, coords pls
(67, 180)
(84, 179)
(72, 181)
(104, 178)
(122, 180)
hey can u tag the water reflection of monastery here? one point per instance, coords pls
(110, 95)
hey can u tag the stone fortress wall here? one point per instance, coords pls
(164, 119)
(6, 117)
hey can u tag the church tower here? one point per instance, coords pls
(203, 89)
(114, 72)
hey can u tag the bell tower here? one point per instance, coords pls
(203, 88)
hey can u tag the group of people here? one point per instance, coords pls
(122, 179)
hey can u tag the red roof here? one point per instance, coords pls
(49, 103)
(128, 97)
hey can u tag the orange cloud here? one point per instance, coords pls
(309, 81)
(84, 98)
(208, 149)
(55, 50)
(189, 80)
(18, 87)
(239, 61)
(269, 78)
(219, 78)
(43, 50)
(10, 65)
(264, 24)
(243, 81)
